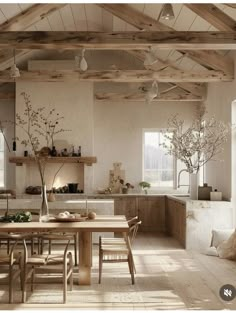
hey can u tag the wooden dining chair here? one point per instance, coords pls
(12, 261)
(112, 250)
(35, 261)
(55, 237)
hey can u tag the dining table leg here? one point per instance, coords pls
(85, 257)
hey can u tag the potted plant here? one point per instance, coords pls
(145, 185)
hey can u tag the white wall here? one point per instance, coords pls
(219, 104)
(7, 110)
(110, 131)
(118, 134)
(73, 101)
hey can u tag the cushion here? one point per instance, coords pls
(220, 235)
(212, 251)
(227, 249)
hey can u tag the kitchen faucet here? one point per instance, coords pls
(183, 170)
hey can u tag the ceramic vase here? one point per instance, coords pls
(194, 182)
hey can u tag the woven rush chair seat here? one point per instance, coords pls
(50, 237)
(35, 261)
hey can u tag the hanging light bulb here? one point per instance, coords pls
(167, 12)
(152, 93)
(83, 63)
(14, 71)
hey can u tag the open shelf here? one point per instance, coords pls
(24, 160)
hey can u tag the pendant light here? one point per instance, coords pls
(167, 12)
(14, 71)
(83, 63)
(150, 59)
(152, 93)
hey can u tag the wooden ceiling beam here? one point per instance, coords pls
(140, 96)
(22, 21)
(213, 16)
(195, 89)
(30, 16)
(209, 59)
(118, 40)
(118, 76)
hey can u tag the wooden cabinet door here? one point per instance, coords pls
(151, 211)
(176, 220)
(125, 206)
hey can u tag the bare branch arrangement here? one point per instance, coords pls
(40, 128)
(198, 144)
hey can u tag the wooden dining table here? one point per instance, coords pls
(102, 223)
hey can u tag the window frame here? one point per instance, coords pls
(174, 186)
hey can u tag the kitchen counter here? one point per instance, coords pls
(99, 196)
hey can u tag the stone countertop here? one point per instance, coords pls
(65, 196)
(196, 203)
(63, 204)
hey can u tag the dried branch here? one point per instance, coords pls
(199, 143)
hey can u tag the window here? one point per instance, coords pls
(158, 166)
(2, 161)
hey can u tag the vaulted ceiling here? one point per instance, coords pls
(183, 70)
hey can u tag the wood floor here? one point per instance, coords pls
(168, 277)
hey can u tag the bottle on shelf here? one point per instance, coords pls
(79, 151)
(73, 152)
(14, 146)
(54, 151)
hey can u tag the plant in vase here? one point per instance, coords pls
(195, 145)
(145, 186)
(39, 128)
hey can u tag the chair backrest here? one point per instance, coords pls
(132, 220)
(133, 230)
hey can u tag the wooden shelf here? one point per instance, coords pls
(24, 160)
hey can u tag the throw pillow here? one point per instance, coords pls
(227, 249)
(220, 235)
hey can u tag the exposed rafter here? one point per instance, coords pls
(118, 76)
(30, 16)
(195, 89)
(140, 96)
(213, 15)
(231, 5)
(118, 40)
(22, 21)
(209, 59)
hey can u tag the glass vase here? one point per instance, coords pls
(194, 182)
(44, 210)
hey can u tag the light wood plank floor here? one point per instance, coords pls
(168, 277)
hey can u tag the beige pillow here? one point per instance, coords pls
(220, 235)
(227, 249)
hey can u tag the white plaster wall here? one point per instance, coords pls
(219, 104)
(73, 101)
(7, 109)
(118, 134)
(110, 131)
